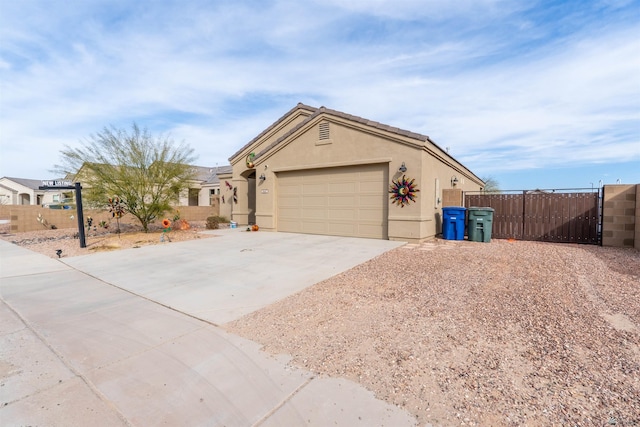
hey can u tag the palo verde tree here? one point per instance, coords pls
(146, 173)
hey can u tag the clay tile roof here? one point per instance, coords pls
(379, 125)
(335, 113)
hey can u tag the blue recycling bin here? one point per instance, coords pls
(453, 222)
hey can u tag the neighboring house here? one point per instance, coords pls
(205, 186)
(21, 191)
(321, 171)
(200, 190)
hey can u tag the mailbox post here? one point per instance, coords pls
(66, 185)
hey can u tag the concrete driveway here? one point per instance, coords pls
(129, 337)
(222, 278)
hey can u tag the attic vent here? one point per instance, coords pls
(324, 131)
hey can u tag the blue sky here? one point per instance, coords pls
(537, 94)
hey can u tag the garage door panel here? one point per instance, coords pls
(290, 184)
(366, 230)
(349, 187)
(314, 227)
(291, 226)
(287, 213)
(370, 187)
(341, 214)
(369, 215)
(314, 214)
(337, 175)
(287, 201)
(371, 200)
(341, 229)
(345, 201)
(340, 201)
(314, 201)
(319, 175)
(314, 188)
(369, 177)
(290, 207)
(372, 173)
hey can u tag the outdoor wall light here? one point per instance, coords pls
(262, 177)
(402, 168)
(454, 181)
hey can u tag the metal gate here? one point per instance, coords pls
(565, 216)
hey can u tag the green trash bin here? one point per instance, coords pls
(480, 222)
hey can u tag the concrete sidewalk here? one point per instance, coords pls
(77, 350)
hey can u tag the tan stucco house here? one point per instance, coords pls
(321, 171)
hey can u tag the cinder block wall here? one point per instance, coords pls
(25, 217)
(451, 197)
(620, 213)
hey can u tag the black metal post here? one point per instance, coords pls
(524, 211)
(600, 214)
(80, 215)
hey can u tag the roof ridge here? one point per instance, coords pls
(378, 125)
(357, 119)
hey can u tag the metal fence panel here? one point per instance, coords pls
(566, 217)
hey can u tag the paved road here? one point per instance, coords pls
(130, 337)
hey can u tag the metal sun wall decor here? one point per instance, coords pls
(403, 191)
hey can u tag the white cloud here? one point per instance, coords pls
(488, 79)
(432, 10)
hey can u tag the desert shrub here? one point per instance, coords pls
(213, 223)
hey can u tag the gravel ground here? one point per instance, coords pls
(457, 332)
(47, 242)
(466, 333)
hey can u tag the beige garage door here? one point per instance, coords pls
(346, 201)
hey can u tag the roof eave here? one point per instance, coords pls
(274, 125)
